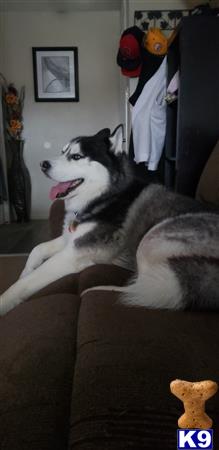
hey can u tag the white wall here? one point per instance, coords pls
(96, 34)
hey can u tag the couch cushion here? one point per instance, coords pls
(11, 267)
(37, 355)
(208, 186)
(56, 217)
(103, 275)
(65, 285)
(126, 360)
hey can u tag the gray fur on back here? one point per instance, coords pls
(181, 238)
(154, 205)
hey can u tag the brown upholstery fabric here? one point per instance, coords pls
(65, 285)
(10, 270)
(37, 353)
(12, 266)
(126, 358)
(56, 216)
(103, 274)
(94, 374)
(208, 186)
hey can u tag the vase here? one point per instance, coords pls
(19, 181)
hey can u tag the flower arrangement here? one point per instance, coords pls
(13, 103)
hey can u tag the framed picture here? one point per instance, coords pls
(55, 72)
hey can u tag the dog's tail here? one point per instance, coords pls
(157, 289)
(160, 287)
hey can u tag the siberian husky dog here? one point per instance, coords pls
(171, 241)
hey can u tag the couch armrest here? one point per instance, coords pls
(56, 217)
(103, 275)
(208, 186)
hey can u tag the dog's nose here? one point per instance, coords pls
(45, 165)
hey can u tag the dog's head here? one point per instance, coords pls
(86, 165)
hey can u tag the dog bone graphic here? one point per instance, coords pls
(194, 396)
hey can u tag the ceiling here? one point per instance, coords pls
(59, 5)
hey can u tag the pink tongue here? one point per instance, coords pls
(59, 189)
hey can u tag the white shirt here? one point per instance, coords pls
(149, 119)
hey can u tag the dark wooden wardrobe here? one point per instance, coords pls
(192, 120)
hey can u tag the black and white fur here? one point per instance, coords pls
(175, 238)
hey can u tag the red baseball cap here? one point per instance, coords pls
(129, 54)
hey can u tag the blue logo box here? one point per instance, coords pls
(195, 439)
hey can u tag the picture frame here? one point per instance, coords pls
(55, 72)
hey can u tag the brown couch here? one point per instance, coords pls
(86, 372)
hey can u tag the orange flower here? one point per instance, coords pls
(15, 124)
(11, 99)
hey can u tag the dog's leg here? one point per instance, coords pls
(59, 265)
(42, 252)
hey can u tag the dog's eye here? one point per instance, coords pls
(76, 156)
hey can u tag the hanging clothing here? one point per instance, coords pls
(172, 89)
(174, 83)
(149, 119)
(150, 64)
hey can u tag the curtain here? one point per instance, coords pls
(4, 198)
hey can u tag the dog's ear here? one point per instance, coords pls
(103, 134)
(116, 139)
